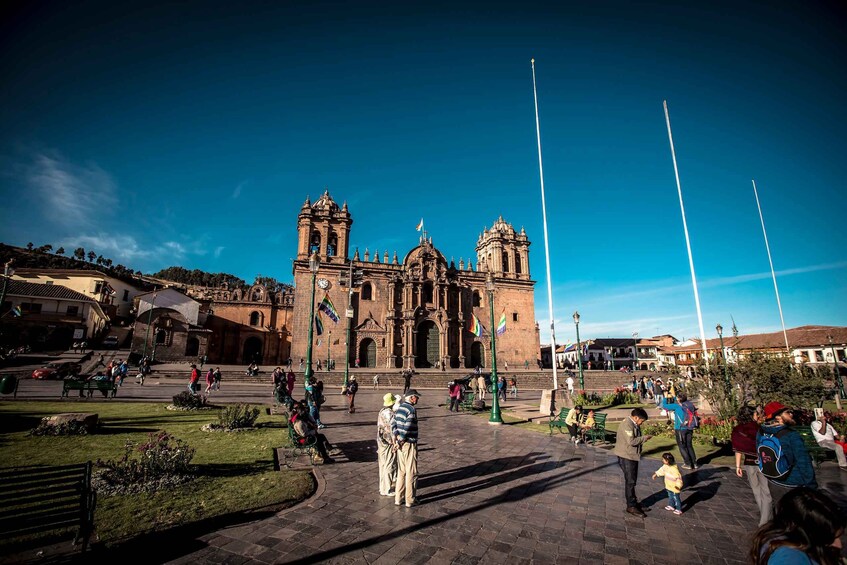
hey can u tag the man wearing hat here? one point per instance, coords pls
(778, 419)
(352, 387)
(404, 429)
(386, 455)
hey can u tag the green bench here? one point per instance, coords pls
(300, 445)
(467, 401)
(559, 421)
(38, 500)
(599, 429)
(108, 388)
(816, 452)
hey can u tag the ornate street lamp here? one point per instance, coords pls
(838, 382)
(719, 329)
(634, 351)
(579, 352)
(495, 418)
(314, 265)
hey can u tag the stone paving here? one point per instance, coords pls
(491, 494)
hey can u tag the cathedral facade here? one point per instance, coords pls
(414, 312)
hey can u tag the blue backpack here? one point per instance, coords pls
(772, 463)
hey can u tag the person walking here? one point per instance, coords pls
(628, 447)
(352, 387)
(569, 382)
(743, 439)
(404, 429)
(210, 380)
(513, 385)
(501, 387)
(455, 393)
(783, 457)
(685, 421)
(385, 446)
(194, 381)
(217, 378)
(480, 383)
(407, 380)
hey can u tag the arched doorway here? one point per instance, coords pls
(192, 347)
(477, 355)
(252, 350)
(427, 351)
(367, 353)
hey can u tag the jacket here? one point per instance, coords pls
(794, 450)
(404, 426)
(679, 412)
(629, 440)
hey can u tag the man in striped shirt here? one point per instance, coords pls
(404, 428)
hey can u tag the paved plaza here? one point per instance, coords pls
(489, 494)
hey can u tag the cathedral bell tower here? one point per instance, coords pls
(324, 228)
(504, 251)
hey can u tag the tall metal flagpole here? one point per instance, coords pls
(773, 274)
(687, 239)
(546, 239)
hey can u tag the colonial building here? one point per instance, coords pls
(170, 326)
(414, 311)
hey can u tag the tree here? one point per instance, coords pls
(108, 263)
(30, 246)
(91, 256)
(99, 259)
(60, 251)
(79, 253)
(44, 249)
(270, 283)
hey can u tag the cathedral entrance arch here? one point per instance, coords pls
(367, 353)
(192, 347)
(477, 355)
(428, 351)
(252, 351)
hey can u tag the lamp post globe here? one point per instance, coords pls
(314, 266)
(495, 418)
(579, 352)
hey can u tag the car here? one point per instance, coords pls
(57, 371)
(110, 341)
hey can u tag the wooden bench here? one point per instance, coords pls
(559, 421)
(599, 429)
(816, 452)
(37, 500)
(467, 401)
(108, 388)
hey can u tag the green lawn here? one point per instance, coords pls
(235, 471)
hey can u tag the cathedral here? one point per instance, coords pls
(413, 312)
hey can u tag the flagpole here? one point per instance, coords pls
(687, 239)
(773, 273)
(546, 238)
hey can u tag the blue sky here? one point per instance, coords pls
(191, 135)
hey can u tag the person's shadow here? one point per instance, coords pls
(699, 485)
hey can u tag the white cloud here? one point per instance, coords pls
(72, 195)
(115, 247)
(218, 251)
(237, 192)
(176, 249)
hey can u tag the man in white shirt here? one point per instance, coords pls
(569, 382)
(828, 438)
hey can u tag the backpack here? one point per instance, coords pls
(691, 421)
(772, 463)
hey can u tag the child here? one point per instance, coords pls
(673, 482)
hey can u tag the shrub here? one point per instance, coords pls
(716, 428)
(73, 428)
(162, 456)
(585, 398)
(657, 429)
(189, 401)
(238, 416)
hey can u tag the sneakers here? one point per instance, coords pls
(413, 503)
(687, 467)
(677, 512)
(321, 426)
(669, 507)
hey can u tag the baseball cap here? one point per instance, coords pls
(773, 409)
(412, 392)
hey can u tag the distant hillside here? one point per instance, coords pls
(44, 257)
(197, 277)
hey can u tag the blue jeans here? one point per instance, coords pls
(674, 500)
(315, 412)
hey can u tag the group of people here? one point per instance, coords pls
(80, 346)
(579, 424)
(397, 447)
(213, 380)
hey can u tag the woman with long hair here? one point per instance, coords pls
(807, 529)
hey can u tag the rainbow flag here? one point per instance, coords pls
(501, 325)
(474, 326)
(319, 325)
(16, 311)
(328, 308)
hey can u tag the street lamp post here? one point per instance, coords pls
(838, 382)
(612, 355)
(328, 354)
(8, 271)
(634, 351)
(147, 333)
(495, 418)
(579, 352)
(719, 329)
(314, 265)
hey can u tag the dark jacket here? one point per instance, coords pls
(794, 450)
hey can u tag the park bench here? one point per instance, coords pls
(299, 444)
(816, 452)
(559, 421)
(37, 500)
(467, 401)
(599, 429)
(109, 388)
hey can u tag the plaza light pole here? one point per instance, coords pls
(579, 352)
(838, 382)
(495, 418)
(719, 329)
(8, 271)
(612, 355)
(314, 265)
(328, 342)
(634, 351)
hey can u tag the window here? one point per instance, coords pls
(332, 245)
(73, 310)
(514, 316)
(505, 261)
(367, 291)
(818, 356)
(254, 318)
(476, 300)
(315, 243)
(126, 295)
(98, 287)
(31, 308)
(161, 337)
(427, 292)
(518, 265)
